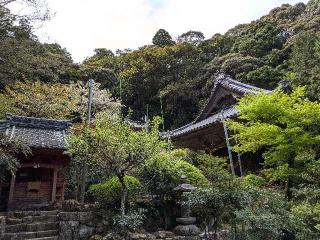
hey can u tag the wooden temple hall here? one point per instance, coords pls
(39, 181)
(208, 131)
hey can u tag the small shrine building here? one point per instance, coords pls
(39, 180)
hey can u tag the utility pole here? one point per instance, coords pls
(85, 165)
(162, 114)
(91, 82)
(225, 128)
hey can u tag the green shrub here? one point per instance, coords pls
(131, 221)
(164, 172)
(109, 192)
(252, 180)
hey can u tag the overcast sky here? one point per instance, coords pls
(83, 25)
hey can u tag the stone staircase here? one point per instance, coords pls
(32, 225)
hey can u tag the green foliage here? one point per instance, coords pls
(252, 180)
(9, 150)
(163, 172)
(162, 38)
(6, 106)
(264, 215)
(284, 126)
(109, 191)
(115, 147)
(130, 222)
(55, 100)
(306, 61)
(214, 168)
(192, 37)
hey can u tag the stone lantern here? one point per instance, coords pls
(186, 223)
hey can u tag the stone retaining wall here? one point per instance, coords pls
(2, 226)
(167, 235)
(76, 225)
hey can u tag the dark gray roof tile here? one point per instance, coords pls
(36, 132)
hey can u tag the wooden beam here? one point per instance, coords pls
(41, 165)
(54, 184)
(12, 185)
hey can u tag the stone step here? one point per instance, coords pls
(51, 234)
(13, 221)
(39, 219)
(22, 214)
(45, 238)
(33, 227)
(32, 219)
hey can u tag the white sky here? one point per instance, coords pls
(83, 25)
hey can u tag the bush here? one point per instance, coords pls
(164, 172)
(131, 221)
(265, 215)
(214, 168)
(252, 180)
(109, 192)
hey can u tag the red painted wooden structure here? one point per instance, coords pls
(39, 181)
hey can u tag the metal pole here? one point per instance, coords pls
(85, 166)
(91, 82)
(239, 160)
(225, 128)
(162, 115)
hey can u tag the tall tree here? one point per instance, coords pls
(115, 147)
(193, 37)
(162, 38)
(285, 127)
(305, 62)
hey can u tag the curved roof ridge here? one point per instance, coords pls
(247, 85)
(35, 122)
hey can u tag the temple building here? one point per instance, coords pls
(39, 181)
(207, 131)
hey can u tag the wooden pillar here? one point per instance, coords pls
(12, 185)
(54, 184)
(62, 190)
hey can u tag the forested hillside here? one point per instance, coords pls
(177, 75)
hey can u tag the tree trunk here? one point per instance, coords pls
(124, 193)
(83, 182)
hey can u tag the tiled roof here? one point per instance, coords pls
(232, 85)
(206, 118)
(235, 85)
(36, 132)
(138, 125)
(195, 126)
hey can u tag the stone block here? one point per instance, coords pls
(2, 226)
(85, 232)
(187, 230)
(163, 234)
(69, 230)
(85, 217)
(68, 216)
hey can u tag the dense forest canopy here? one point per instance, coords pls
(175, 77)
